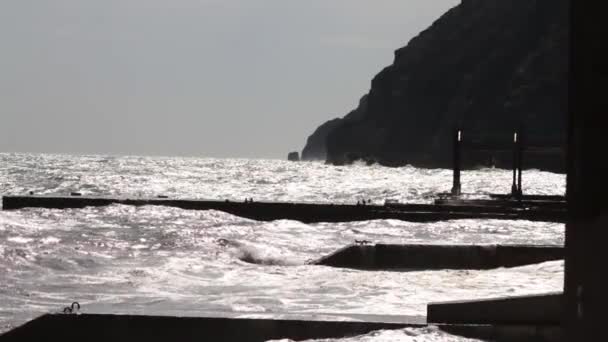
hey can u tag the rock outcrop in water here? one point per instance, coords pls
(293, 156)
(486, 66)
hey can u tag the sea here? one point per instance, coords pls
(161, 260)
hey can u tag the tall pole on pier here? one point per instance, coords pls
(456, 177)
(520, 152)
(514, 190)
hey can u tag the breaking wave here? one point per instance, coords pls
(258, 255)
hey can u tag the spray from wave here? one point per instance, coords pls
(258, 256)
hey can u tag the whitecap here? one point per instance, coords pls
(20, 239)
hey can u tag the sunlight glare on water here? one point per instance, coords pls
(167, 260)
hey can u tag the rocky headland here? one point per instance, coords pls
(487, 67)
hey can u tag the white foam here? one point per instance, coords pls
(49, 240)
(19, 239)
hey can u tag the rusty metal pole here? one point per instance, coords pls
(456, 177)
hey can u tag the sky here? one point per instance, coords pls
(204, 78)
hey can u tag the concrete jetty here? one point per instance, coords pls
(519, 318)
(304, 212)
(217, 327)
(504, 203)
(543, 309)
(103, 326)
(387, 257)
(558, 198)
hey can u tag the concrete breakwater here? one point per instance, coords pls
(304, 212)
(521, 318)
(499, 319)
(386, 257)
(111, 327)
(541, 309)
(505, 203)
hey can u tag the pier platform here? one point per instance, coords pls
(304, 212)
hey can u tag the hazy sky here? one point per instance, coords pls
(221, 78)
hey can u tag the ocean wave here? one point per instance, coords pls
(259, 256)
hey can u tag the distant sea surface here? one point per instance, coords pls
(159, 260)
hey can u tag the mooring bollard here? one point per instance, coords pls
(456, 188)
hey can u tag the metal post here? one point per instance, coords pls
(514, 190)
(456, 177)
(520, 152)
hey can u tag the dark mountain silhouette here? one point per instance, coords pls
(487, 66)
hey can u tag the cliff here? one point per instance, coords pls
(486, 66)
